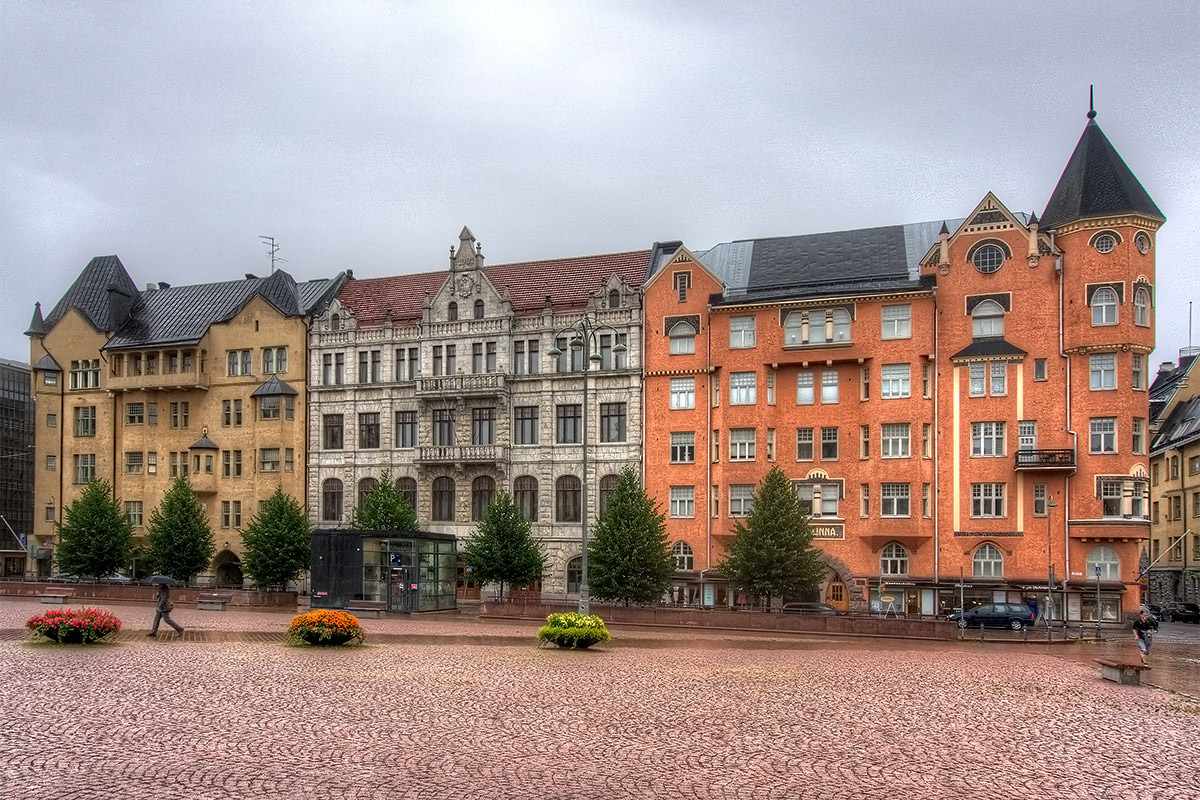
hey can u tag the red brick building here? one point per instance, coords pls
(963, 403)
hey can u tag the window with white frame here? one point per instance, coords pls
(683, 501)
(1139, 436)
(683, 339)
(683, 392)
(1104, 307)
(1137, 370)
(804, 388)
(1103, 435)
(987, 500)
(1105, 558)
(85, 374)
(274, 360)
(897, 321)
(741, 444)
(987, 320)
(821, 499)
(804, 444)
(793, 328)
(1027, 434)
(741, 333)
(987, 562)
(1039, 499)
(893, 560)
(742, 388)
(987, 439)
(894, 500)
(741, 499)
(895, 439)
(1103, 371)
(895, 381)
(1141, 307)
(977, 379)
(829, 386)
(238, 362)
(1110, 498)
(683, 447)
(999, 378)
(684, 556)
(829, 444)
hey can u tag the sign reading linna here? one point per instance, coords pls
(827, 531)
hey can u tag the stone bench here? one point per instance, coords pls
(367, 608)
(1121, 671)
(212, 602)
(56, 597)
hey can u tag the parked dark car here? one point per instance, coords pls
(823, 609)
(995, 615)
(1181, 612)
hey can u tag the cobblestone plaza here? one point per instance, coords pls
(451, 708)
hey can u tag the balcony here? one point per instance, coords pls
(203, 483)
(1045, 459)
(485, 385)
(192, 379)
(467, 454)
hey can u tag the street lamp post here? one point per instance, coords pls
(583, 334)
(1050, 506)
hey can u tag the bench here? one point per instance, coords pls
(212, 602)
(56, 597)
(367, 608)
(1121, 671)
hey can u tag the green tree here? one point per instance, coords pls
(771, 554)
(385, 509)
(179, 539)
(95, 538)
(277, 544)
(629, 556)
(503, 549)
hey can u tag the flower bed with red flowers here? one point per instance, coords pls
(325, 627)
(74, 626)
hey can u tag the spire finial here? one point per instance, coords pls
(1092, 101)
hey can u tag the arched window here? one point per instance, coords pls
(841, 325)
(407, 487)
(683, 338)
(574, 574)
(893, 560)
(614, 298)
(685, 557)
(987, 257)
(525, 494)
(608, 485)
(483, 491)
(1104, 307)
(1141, 307)
(365, 487)
(1104, 558)
(443, 499)
(1105, 241)
(987, 562)
(452, 311)
(331, 500)
(987, 319)
(566, 499)
(478, 309)
(793, 328)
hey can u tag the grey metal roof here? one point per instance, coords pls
(272, 387)
(103, 293)
(1182, 426)
(204, 443)
(48, 364)
(984, 348)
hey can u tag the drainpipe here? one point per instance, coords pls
(1066, 516)
(708, 523)
(937, 553)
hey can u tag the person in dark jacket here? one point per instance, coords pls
(1144, 628)
(162, 611)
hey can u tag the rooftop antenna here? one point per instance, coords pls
(1092, 101)
(272, 249)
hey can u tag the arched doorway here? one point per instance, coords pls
(229, 569)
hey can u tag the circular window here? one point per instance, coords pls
(1142, 241)
(988, 258)
(1105, 243)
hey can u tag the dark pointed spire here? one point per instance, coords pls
(1092, 101)
(37, 326)
(1033, 220)
(944, 228)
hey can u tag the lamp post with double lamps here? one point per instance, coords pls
(583, 336)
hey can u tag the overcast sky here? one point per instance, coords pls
(364, 136)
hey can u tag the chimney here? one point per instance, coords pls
(1166, 368)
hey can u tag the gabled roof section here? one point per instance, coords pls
(669, 255)
(1181, 427)
(1166, 385)
(1096, 183)
(566, 282)
(273, 387)
(988, 349)
(103, 294)
(183, 314)
(48, 364)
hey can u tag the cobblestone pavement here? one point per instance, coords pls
(214, 714)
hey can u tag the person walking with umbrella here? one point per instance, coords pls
(163, 605)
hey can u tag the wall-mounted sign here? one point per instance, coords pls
(827, 531)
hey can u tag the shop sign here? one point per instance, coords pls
(827, 531)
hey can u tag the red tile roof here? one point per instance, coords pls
(568, 282)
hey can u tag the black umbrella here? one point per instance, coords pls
(163, 579)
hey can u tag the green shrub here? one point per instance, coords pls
(573, 631)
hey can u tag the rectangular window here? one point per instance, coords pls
(270, 407)
(52, 420)
(274, 360)
(51, 463)
(895, 381)
(1039, 499)
(926, 440)
(683, 447)
(134, 463)
(897, 322)
(926, 379)
(1039, 369)
(741, 499)
(864, 383)
(770, 387)
(741, 444)
(370, 366)
(135, 413)
(742, 387)
(896, 440)
(682, 282)
(1138, 371)
(987, 439)
(368, 431)
(85, 467)
(894, 500)
(1110, 498)
(829, 444)
(1139, 436)
(85, 421)
(289, 460)
(683, 501)
(231, 513)
(716, 446)
(406, 429)
(133, 512)
(443, 427)
(926, 509)
(829, 386)
(238, 362)
(864, 436)
(987, 500)
(568, 424)
(683, 392)
(85, 374)
(999, 378)
(151, 463)
(820, 500)
(612, 422)
(1027, 434)
(804, 388)
(268, 459)
(525, 425)
(741, 332)
(179, 414)
(864, 500)
(1103, 435)
(770, 444)
(1103, 371)
(231, 464)
(804, 444)
(610, 357)
(332, 431)
(518, 357)
(977, 380)
(483, 426)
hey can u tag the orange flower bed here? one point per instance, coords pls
(325, 626)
